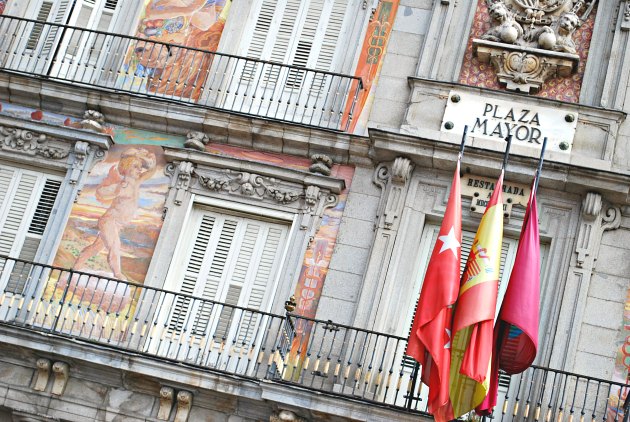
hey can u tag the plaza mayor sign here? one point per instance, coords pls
(491, 118)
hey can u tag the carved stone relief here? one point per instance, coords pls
(31, 143)
(392, 179)
(596, 219)
(93, 120)
(531, 41)
(196, 140)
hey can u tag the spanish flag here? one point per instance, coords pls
(471, 349)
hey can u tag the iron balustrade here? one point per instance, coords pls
(178, 73)
(322, 356)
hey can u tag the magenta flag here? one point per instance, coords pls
(518, 318)
(516, 329)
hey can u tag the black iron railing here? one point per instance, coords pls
(320, 355)
(178, 73)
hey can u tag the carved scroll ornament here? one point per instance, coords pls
(31, 143)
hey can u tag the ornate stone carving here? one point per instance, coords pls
(166, 403)
(184, 403)
(93, 120)
(81, 150)
(30, 143)
(43, 373)
(250, 184)
(393, 180)
(596, 219)
(311, 195)
(322, 164)
(286, 416)
(60, 371)
(532, 40)
(196, 140)
(183, 173)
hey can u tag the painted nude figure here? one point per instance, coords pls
(121, 187)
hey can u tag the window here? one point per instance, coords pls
(230, 259)
(57, 51)
(303, 33)
(26, 202)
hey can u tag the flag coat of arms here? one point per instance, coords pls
(473, 322)
(430, 337)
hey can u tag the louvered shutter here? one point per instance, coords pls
(233, 260)
(27, 199)
(49, 11)
(303, 33)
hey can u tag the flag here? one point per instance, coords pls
(429, 340)
(473, 322)
(516, 330)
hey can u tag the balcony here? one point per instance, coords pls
(176, 73)
(333, 359)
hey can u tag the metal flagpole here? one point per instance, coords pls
(507, 152)
(540, 164)
(463, 144)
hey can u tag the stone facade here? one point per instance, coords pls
(376, 196)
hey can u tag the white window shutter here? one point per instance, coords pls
(55, 11)
(234, 260)
(26, 203)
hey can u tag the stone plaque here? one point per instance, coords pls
(480, 189)
(496, 119)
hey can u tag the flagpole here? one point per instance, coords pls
(540, 164)
(507, 152)
(463, 144)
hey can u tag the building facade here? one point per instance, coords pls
(222, 211)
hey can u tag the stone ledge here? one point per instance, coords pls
(442, 155)
(148, 113)
(115, 370)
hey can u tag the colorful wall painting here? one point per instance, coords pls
(483, 75)
(621, 372)
(3, 4)
(369, 66)
(120, 134)
(115, 223)
(168, 70)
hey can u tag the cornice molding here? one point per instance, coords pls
(441, 155)
(304, 178)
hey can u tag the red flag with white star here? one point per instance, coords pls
(430, 337)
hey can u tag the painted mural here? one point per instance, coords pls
(3, 4)
(120, 134)
(370, 64)
(621, 372)
(482, 75)
(166, 69)
(114, 226)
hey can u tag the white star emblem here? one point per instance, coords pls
(448, 343)
(450, 242)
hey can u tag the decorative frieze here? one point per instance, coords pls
(252, 185)
(531, 41)
(30, 143)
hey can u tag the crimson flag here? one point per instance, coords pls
(430, 337)
(516, 330)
